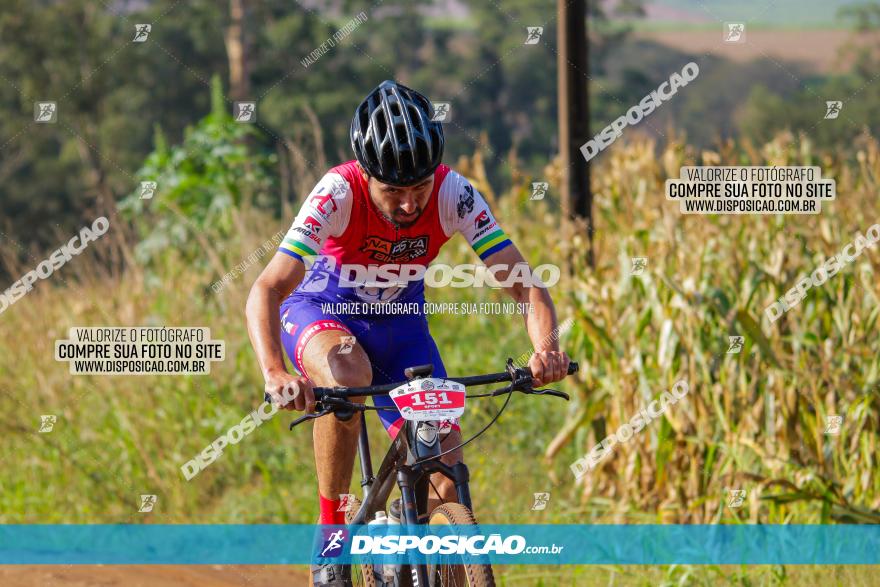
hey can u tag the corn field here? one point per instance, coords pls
(753, 420)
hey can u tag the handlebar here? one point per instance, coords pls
(471, 381)
(335, 399)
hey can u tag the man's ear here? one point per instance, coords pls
(363, 172)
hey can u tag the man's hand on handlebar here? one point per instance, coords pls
(548, 366)
(290, 392)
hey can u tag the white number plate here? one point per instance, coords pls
(429, 399)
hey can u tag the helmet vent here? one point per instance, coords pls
(371, 151)
(383, 125)
(422, 151)
(416, 118)
(363, 115)
(387, 158)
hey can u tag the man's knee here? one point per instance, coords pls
(332, 359)
(444, 487)
(350, 369)
(449, 441)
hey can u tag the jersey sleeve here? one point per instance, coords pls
(325, 213)
(463, 210)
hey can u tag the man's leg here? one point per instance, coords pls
(313, 342)
(335, 441)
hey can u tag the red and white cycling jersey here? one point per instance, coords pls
(339, 222)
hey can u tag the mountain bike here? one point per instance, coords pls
(424, 402)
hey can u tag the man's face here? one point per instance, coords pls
(401, 205)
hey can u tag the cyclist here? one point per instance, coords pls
(396, 204)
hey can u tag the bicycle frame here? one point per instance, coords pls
(411, 475)
(404, 458)
(409, 461)
(407, 451)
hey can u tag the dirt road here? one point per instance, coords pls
(153, 576)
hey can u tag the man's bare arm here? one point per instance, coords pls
(280, 277)
(547, 364)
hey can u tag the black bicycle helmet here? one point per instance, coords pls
(393, 137)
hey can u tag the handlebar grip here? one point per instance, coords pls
(318, 392)
(572, 368)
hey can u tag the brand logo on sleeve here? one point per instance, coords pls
(482, 220)
(465, 201)
(324, 205)
(312, 224)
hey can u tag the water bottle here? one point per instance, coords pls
(391, 572)
(380, 520)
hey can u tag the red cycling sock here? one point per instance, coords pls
(328, 512)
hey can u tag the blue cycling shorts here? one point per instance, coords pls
(392, 344)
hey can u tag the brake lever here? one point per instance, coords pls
(524, 384)
(553, 392)
(311, 416)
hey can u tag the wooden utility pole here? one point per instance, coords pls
(237, 51)
(574, 113)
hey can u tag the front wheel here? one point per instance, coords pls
(363, 574)
(472, 575)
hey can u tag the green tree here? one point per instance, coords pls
(220, 166)
(108, 91)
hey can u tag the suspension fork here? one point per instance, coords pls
(364, 457)
(413, 499)
(461, 477)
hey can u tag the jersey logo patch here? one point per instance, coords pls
(465, 201)
(312, 224)
(320, 201)
(387, 251)
(481, 220)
